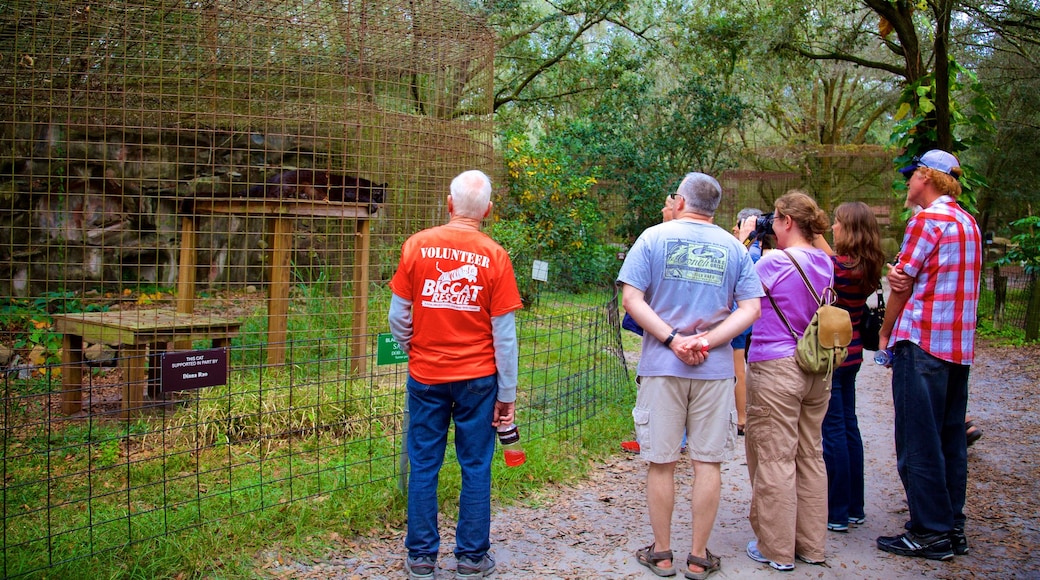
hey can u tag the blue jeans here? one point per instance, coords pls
(931, 398)
(843, 449)
(471, 405)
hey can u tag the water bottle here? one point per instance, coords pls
(883, 357)
(512, 452)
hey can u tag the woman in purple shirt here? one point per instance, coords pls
(786, 405)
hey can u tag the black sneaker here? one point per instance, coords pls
(931, 546)
(959, 542)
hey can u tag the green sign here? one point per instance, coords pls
(388, 352)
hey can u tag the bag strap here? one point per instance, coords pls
(880, 301)
(816, 297)
(781, 314)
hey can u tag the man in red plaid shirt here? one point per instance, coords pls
(930, 327)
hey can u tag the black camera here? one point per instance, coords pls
(763, 226)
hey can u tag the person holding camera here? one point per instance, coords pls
(858, 260)
(786, 405)
(753, 242)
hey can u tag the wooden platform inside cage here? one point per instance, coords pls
(281, 214)
(136, 333)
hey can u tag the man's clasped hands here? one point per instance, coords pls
(692, 350)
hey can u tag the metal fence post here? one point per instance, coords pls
(402, 480)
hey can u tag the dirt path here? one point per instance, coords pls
(592, 530)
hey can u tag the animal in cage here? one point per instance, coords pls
(319, 185)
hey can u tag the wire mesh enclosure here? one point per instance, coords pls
(216, 192)
(253, 164)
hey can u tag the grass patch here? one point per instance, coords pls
(300, 456)
(218, 517)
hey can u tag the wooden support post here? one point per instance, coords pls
(278, 293)
(359, 324)
(186, 267)
(71, 374)
(186, 274)
(135, 377)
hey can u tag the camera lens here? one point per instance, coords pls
(764, 225)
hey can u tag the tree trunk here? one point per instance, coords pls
(1033, 310)
(944, 136)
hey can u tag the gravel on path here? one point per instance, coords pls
(592, 530)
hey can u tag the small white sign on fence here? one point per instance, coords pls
(540, 270)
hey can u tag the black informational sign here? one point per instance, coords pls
(194, 369)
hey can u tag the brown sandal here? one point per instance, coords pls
(710, 564)
(649, 558)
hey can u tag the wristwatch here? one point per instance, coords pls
(668, 341)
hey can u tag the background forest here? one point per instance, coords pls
(609, 102)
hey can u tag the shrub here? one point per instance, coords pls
(549, 214)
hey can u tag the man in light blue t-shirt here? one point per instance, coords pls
(680, 281)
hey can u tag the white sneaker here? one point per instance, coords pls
(754, 554)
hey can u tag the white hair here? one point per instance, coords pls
(471, 193)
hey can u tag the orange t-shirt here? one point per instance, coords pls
(457, 280)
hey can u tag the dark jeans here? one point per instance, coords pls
(470, 404)
(843, 449)
(931, 398)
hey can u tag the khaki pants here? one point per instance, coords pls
(785, 411)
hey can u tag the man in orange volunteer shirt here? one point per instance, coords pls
(452, 311)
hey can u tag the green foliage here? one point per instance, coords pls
(267, 525)
(246, 412)
(270, 466)
(46, 303)
(971, 122)
(1025, 249)
(551, 57)
(645, 141)
(1006, 335)
(29, 320)
(316, 321)
(549, 214)
(1009, 158)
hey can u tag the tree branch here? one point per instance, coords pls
(591, 19)
(846, 57)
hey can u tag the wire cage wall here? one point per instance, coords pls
(216, 192)
(220, 159)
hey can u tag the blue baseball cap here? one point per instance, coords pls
(935, 159)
